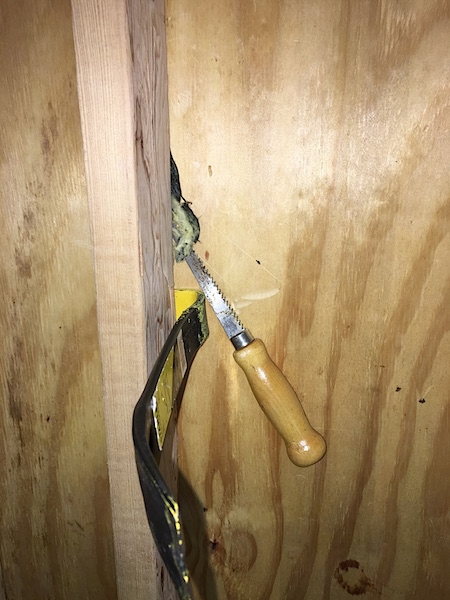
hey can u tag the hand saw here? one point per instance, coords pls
(305, 446)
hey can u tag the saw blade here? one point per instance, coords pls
(226, 315)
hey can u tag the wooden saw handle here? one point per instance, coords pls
(305, 446)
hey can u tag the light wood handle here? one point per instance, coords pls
(281, 405)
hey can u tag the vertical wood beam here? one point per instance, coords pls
(122, 82)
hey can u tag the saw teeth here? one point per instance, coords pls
(230, 308)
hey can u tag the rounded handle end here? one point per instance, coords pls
(307, 452)
(305, 446)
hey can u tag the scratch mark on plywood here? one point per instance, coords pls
(247, 299)
(260, 295)
(247, 254)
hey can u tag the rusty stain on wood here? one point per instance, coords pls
(350, 576)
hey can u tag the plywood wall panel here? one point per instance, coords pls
(55, 514)
(313, 142)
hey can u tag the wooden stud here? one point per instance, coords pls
(122, 80)
(121, 64)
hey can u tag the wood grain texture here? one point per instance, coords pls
(122, 78)
(149, 72)
(313, 142)
(56, 534)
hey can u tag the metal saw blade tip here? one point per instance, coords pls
(220, 305)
